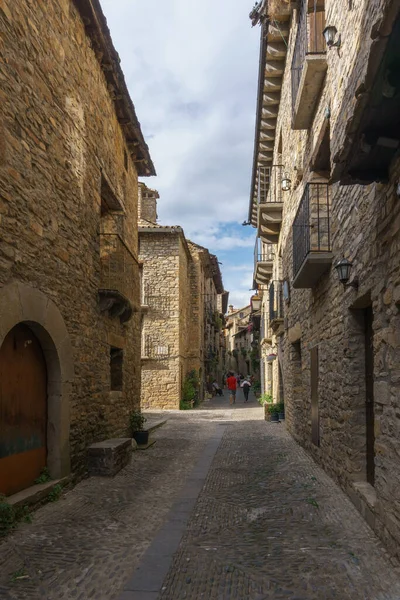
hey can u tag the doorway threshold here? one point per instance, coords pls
(35, 494)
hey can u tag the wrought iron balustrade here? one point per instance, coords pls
(309, 40)
(269, 184)
(275, 302)
(263, 252)
(117, 275)
(311, 225)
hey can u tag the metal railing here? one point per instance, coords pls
(275, 301)
(155, 348)
(263, 252)
(311, 225)
(117, 265)
(309, 40)
(269, 184)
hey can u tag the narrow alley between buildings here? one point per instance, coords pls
(223, 506)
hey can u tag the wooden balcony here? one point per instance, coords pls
(312, 255)
(276, 313)
(263, 262)
(117, 272)
(270, 203)
(308, 64)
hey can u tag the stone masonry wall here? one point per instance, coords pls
(59, 132)
(365, 228)
(161, 373)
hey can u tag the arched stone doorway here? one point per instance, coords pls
(23, 410)
(32, 311)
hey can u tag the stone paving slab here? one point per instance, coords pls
(270, 524)
(88, 544)
(266, 523)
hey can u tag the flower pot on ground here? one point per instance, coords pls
(136, 423)
(266, 401)
(273, 412)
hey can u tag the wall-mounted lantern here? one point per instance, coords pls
(255, 302)
(343, 269)
(329, 34)
(286, 183)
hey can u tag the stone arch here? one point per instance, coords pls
(20, 303)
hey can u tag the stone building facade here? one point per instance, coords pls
(71, 150)
(325, 187)
(181, 289)
(239, 336)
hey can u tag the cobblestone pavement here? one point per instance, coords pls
(88, 543)
(268, 523)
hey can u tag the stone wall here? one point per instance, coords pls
(364, 225)
(161, 345)
(59, 133)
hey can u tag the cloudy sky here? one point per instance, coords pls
(191, 68)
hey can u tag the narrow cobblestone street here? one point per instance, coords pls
(268, 523)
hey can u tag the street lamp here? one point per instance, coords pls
(343, 269)
(329, 34)
(286, 183)
(255, 302)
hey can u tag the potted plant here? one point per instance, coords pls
(136, 422)
(281, 411)
(273, 411)
(265, 400)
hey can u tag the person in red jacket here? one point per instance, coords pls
(231, 383)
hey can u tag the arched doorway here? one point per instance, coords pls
(23, 410)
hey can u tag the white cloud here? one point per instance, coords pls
(191, 68)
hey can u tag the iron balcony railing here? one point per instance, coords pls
(262, 252)
(117, 265)
(311, 225)
(275, 301)
(269, 184)
(309, 40)
(155, 348)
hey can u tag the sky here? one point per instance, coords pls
(191, 69)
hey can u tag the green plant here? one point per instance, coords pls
(281, 406)
(265, 399)
(273, 409)
(190, 389)
(256, 387)
(7, 516)
(243, 352)
(55, 493)
(19, 574)
(313, 502)
(44, 476)
(136, 421)
(185, 405)
(217, 320)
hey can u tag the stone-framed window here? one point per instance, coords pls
(116, 369)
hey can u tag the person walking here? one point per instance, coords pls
(217, 389)
(232, 385)
(245, 385)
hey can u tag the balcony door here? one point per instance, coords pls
(369, 395)
(314, 396)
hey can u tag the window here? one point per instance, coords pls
(241, 315)
(116, 369)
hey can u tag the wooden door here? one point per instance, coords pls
(23, 410)
(314, 396)
(369, 398)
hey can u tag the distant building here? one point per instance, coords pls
(181, 322)
(241, 355)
